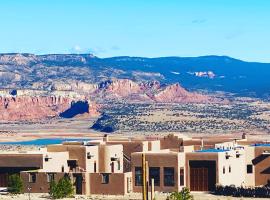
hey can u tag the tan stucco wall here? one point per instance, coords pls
(106, 153)
(161, 160)
(21, 160)
(117, 184)
(154, 145)
(56, 161)
(238, 169)
(41, 185)
(93, 150)
(76, 152)
(249, 156)
(171, 142)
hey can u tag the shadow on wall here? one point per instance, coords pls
(79, 107)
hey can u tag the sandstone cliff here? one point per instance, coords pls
(37, 107)
(177, 94)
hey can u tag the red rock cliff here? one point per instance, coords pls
(33, 108)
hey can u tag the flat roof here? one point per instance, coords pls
(212, 150)
(261, 145)
(20, 152)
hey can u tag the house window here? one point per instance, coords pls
(105, 178)
(88, 155)
(32, 177)
(223, 170)
(95, 166)
(154, 172)
(249, 169)
(168, 176)
(138, 176)
(50, 177)
(119, 165)
(62, 168)
(230, 169)
(182, 177)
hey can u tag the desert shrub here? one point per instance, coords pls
(15, 184)
(230, 190)
(262, 192)
(62, 189)
(183, 195)
(219, 190)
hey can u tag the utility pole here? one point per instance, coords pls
(147, 179)
(152, 189)
(144, 177)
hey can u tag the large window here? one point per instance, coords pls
(168, 176)
(138, 176)
(105, 178)
(249, 169)
(32, 177)
(154, 172)
(182, 177)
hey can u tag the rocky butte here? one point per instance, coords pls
(14, 108)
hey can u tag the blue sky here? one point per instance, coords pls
(152, 28)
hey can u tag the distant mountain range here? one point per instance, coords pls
(79, 72)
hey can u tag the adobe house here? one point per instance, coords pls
(114, 166)
(38, 181)
(15, 162)
(258, 164)
(206, 168)
(130, 145)
(165, 167)
(81, 157)
(92, 169)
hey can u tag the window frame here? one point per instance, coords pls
(105, 178)
(182, 176)
(138, 176)
(249, 169)
(50, 177)
(32, 177)
(151, 175)
(168, 176)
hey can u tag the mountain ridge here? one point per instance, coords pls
(209, 73)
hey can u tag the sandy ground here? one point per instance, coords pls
(72, 128)
(21, 131)
(197, 196)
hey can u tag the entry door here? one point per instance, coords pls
(199, 179)
(202, 175)
(78, 184)
(3, 180)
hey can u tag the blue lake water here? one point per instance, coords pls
(45, 141)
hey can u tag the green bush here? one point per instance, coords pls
(183, 195)
(15, 184)
(62, 189)
(262, 192)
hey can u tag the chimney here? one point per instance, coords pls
(202, 144)
(105, 138)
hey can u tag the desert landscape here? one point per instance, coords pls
(121, 100)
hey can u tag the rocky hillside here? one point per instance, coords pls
(35, 108)
(84, 73)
